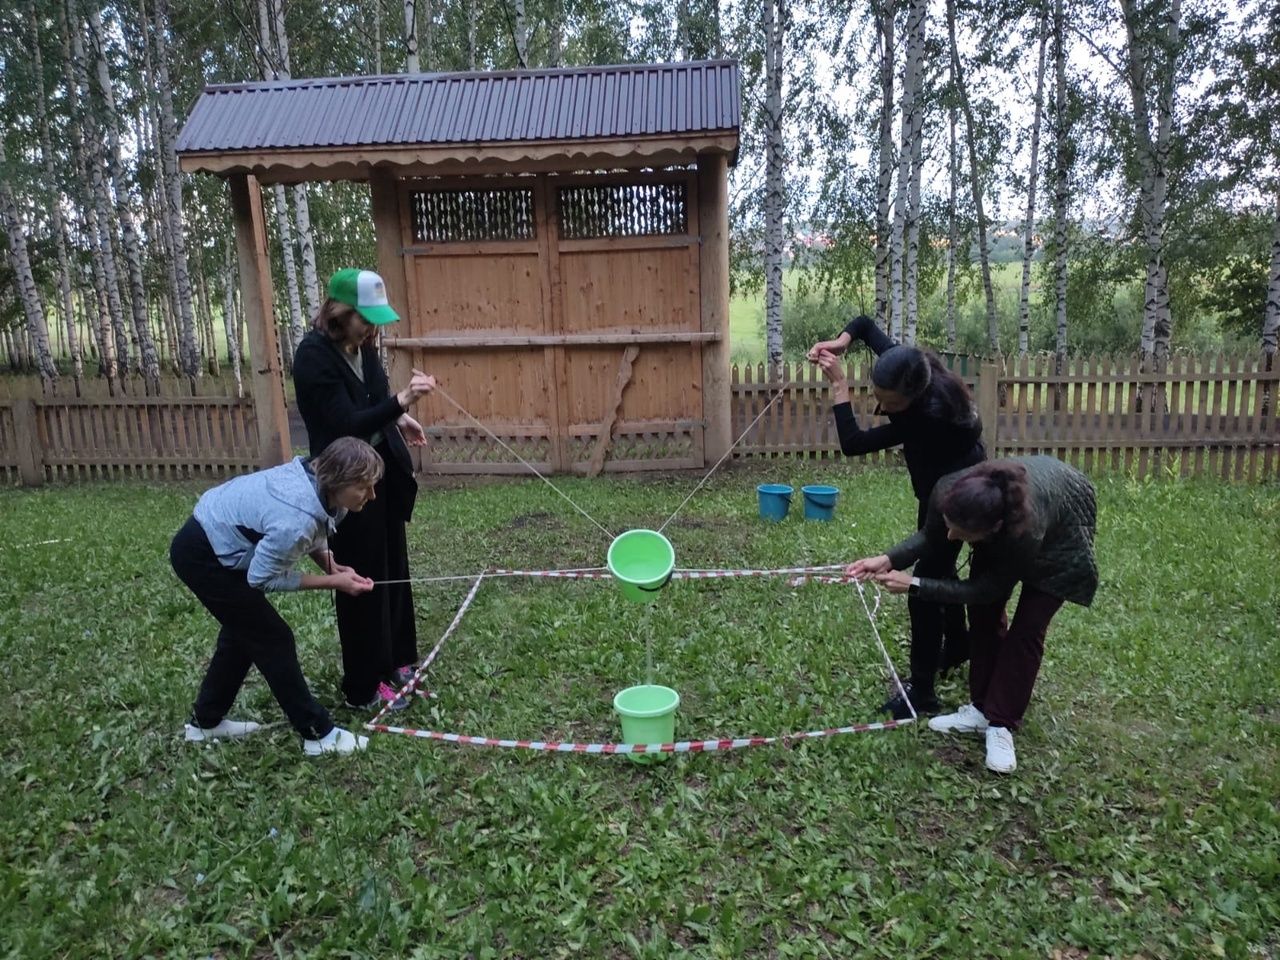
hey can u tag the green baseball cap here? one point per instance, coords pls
(365, 291)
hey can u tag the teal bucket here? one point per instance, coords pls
(775, 501)
(648, 714)
(642, 562)
(819, 501)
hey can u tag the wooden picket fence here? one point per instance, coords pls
(1203, 416)
(81, 438)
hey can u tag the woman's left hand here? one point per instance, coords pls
(412, 431)
(894, 581)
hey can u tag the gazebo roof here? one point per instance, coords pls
(553, 119)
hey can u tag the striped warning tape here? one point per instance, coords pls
(682, 746)
(602, 573)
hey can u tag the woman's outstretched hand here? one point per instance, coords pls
(869, 567)
(837, 346)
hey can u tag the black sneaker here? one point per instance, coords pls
(897, 706)
(385, 696)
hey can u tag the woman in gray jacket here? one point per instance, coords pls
(1028, 520)
(242, 542)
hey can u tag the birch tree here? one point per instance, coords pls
(1029, 222)
(1149, 70)
(20, 263)
(1062, 154)
(885, 17)
(775, 169)
(411, 36)
(975, 179)
(912, 147)
(123, 203)
(520, 34)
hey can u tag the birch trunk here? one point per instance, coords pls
(522, 35)
(124, 205)
(1061, 185)
(775, 166)
(411, 36)
(884, 180)
(1029, 224)
(472, 6)
(229, 325)
(28, 292)
(953, 232)
(1152, 62)
(975, 182)
(61, 240)
(913, 144)
(98, 209)
(1271, 314)
(189, 355)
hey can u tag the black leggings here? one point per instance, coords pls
(252, 634)
(934, 625)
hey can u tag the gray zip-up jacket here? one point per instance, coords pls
(265, 522)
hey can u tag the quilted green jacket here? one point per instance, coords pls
(1054, 555)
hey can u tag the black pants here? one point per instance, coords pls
(377, 629)
(935, 626)
(252, 634)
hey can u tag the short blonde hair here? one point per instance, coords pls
(347, 462)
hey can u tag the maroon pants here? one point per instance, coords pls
(1005, 658)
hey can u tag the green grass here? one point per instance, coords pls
(1142, 820)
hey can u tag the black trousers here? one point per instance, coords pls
(377, 630)
(252, 634)
(1006, 657)
(935, 626)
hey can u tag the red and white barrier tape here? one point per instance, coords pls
(411, 686)
(681, 746)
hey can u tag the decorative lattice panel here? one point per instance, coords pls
(623, 210)
(481, 450)
(451, 216)
(658, 445)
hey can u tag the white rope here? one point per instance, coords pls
(875, 632)
(725, 457)
(461, 409)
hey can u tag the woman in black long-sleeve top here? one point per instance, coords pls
(343, 392)
(932, 417)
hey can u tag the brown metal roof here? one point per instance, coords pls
(450, 109)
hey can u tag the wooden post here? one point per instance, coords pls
(713, 221)
(274, 446)
(26, 433)
(384, 195)
(989, 404)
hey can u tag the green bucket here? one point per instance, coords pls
(648, 714)
(642, 562)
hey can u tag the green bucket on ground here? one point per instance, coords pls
(642, 562)
(648, 714)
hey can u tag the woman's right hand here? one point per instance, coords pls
(420, 384)
(836, 347)
(870, 566)
(350, 582)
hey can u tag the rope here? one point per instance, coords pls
(461, 409)
(723, 458)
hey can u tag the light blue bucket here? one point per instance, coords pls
(775, 500)
(819, 501)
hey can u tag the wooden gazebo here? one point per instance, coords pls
(555, 240)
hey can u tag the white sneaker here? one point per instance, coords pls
(226, 730)
(336, 740)
(1000, 755)
(968, 719)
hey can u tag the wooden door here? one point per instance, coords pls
(563, 313)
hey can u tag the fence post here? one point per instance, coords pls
(989, 403)
(27, 436)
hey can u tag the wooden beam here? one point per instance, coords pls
(605, 437)
(264, 347)
(550, 340)
(988, 401)
(713, 221)
(293, 165)
(554, 367)
(389, 233)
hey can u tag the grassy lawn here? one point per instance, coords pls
(1142, 821)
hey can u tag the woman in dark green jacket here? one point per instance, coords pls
(1028, 520)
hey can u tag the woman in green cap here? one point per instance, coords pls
(343, 391)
